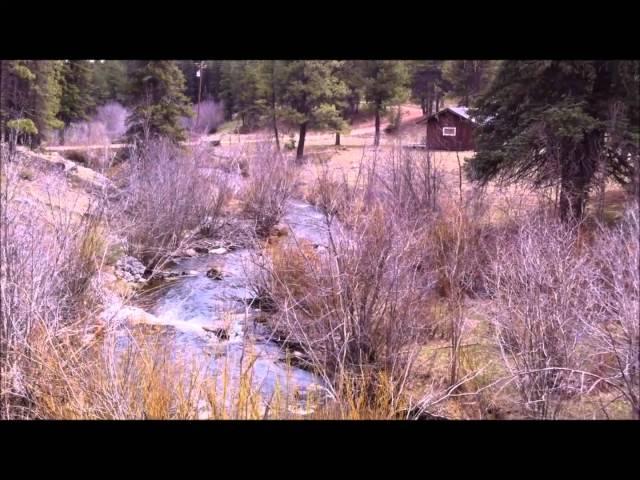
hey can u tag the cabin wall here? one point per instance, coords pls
(464, 133)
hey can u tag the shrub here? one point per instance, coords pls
(114, 118)
(168, 196)
(47, 260)
(86, 133)
(27, 174)
(210, 118)
(269, 186)
(358, 309)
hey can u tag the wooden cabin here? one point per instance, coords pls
(451, 129)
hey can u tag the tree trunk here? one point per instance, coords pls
(303, 133)
(275, 125)
(275, 130)
(437, 102)
(337, 138)
(429, 100)
(376, 138)
(423, 105)
(578, 172)
(572, 203)
(273, 104)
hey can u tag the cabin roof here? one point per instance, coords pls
(462, 112)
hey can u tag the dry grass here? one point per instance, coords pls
(48, 260)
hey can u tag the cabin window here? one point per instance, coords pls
(448, 131)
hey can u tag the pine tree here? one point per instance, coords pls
(352, 74)
(427, 84)
(273, 87)
(16, 82)
(40, 96)
(31, 90)
(243, 90)
(77, 98)
(469, 78)
(553, 122)
(110, 82)
(313, 93)
(386, 83)
(158, 91)
(189, 69)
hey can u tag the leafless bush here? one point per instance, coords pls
(168, 197)
(409, 181)
(48, 259)
(269, 186)
(357, 309)
(336, 197)
(207, 116)
(456, 250)
(86, 133)
(89, 134)
(539, 281)
(613, 329)
(114, 117)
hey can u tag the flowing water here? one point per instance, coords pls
(212, 320)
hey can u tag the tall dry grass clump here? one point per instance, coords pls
(48, 261)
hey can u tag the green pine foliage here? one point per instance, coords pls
(557, 123)
(312, 96)
(386, 84)
(110, 82)
(467, 79)
(158, 92)
(77, 96)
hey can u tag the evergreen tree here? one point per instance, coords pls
(40, 82)
(212, 78)
(16, 83)
(469, 78)
(274, 77)
(77, 91)
(427, 84)
(243, 90)
(313, 93)
(553, 122)
(352, 74)
(189, 69)
(158, 92)
(209, 78)
(110, 82)
(386, 83)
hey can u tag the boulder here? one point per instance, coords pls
(280, 230)
(130, 269)
(190, 252)
(214, 273)
(129, 315)
(201, 250)
(221, 333)
(189, 273)
(218, 251)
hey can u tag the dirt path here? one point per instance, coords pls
(360, 135)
